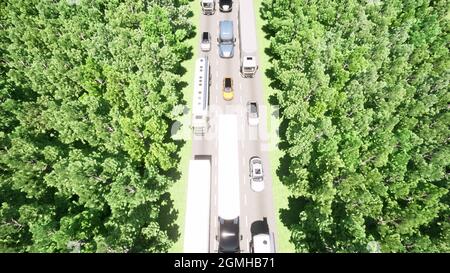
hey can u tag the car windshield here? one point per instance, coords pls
(227, 82)
(205, 36)
(258, 179)
(253, 108)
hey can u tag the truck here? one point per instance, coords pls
(247, 39)
(197, 219)
(208, 7)
(226, 39)
(200, 99)
(228, 185)
(225, 5)
(262, 239)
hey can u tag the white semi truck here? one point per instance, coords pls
(200, 99)
(228, 186)
(208, 6)
(196, 231)
(247, 39)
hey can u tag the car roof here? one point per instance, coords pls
(226, 27)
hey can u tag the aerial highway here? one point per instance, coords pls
(256, 209)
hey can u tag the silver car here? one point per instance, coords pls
(256, 174)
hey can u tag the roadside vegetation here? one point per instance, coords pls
(88, 92)
(363, 91)
(280, 191)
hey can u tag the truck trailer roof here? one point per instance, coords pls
(196, 232)
(228, 168)
(247, 28)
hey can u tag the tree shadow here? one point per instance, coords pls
(291, 216)
(167, 217)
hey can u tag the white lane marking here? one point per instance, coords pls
(215, 199)
(248, 245)
(246, 221)
(240, 99)
(245, 201)
(217, 86)
(216, 100)
(244, 179)
(240, 86)
(217, 74)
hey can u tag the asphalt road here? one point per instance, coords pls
(253, 141)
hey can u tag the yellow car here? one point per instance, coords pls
(228, 92)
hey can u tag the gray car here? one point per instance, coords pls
(226, 39)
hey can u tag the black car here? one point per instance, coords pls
(225, 5)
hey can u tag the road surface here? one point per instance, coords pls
(253, 141)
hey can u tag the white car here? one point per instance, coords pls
(205, 44)
(256, 174)
(252, 113)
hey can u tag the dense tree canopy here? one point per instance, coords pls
(87, 89)
(363, 88)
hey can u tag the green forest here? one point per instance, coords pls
(363, 93)
(87, 92)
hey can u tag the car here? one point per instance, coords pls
(256, 174)
(225, 5)
(205, 44)
(226, 39)
(252, 113)
(228, 92)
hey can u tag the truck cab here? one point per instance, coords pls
(229, 236)
(248, 66)
(225, 5)
(208, 6)
(226, 39)
(262, 239)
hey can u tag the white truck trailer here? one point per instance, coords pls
(200, 99)
(228, 185)
(196, 230)
(247, 39)
(208, 6)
